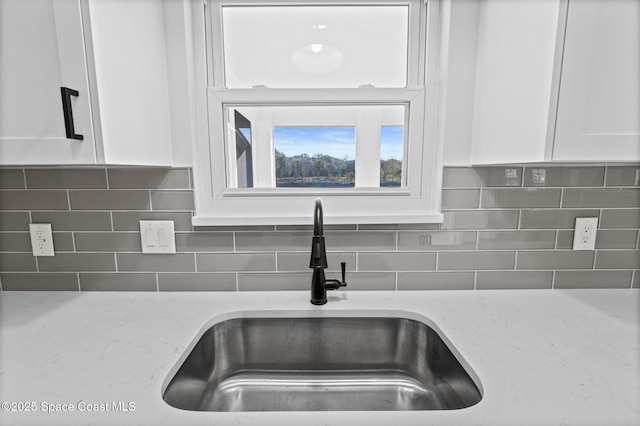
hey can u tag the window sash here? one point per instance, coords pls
(414, 98)
(416, 48)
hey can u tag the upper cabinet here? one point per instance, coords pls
(106, 60)
(598, 117)
(554, 80)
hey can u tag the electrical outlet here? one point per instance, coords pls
(41, 239)
(584, 236)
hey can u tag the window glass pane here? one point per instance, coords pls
(391, 153)
(339, 146)
(315, 156)
(315, 46)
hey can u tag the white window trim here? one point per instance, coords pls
(418, 202)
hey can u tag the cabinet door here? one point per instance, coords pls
(599, 102)
(42, 50)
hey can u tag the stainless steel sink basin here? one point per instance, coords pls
(319, 363)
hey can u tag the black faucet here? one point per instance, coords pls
(320, 285)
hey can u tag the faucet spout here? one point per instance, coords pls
(318, 262)
(318, 228)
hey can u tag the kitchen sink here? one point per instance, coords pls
(321, 363)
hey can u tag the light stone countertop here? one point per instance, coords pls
(543, 357)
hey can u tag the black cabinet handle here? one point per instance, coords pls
(68, 112)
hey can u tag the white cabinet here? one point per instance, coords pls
(112, 53)
(513, 84)
(555, 80)
(599, 101)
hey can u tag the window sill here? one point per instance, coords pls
(360, 218)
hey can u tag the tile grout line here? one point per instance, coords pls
(24, 178)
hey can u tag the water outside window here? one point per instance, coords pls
(315, 156)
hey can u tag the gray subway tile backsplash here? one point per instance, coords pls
(172, 200)
(108, 241)
(435, 280)
(33, 199)
(15, 241)
(12, 179)
(75, 262)
(554, 218)
(618, 259)
(136, 262)
(592, 279)
(14, 221)
(502, 240)
(359, 240)
(436, 240)
(197, 282)
(204, 241)
(112, 199)
(555, 259)
(598, 197)
(563, 176)
(152, 178)
(117, 282)
(74, 220)
(17, 262)
(39, 281)
(616, 239)
(520, 198)
(476, 260)
(232, 262)
(499, 280)
(623, 176)
(620, 218)
(505, 227)
(481, 219)
(66, 178)
(460, 198)
(479, 177)
(395, 261)
(273, 281)
(270, 241)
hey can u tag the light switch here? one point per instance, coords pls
(163, 238)
(157, 236)
(151, 237)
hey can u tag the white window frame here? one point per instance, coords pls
(416, 202)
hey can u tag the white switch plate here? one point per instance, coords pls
(157, 236)
(41, 239)
(584, 236)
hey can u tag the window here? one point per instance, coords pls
(320, 100)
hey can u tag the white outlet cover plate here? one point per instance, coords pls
(41, 239)
(584, 236)
(158, 236)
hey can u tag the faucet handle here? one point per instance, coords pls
(343, 266)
